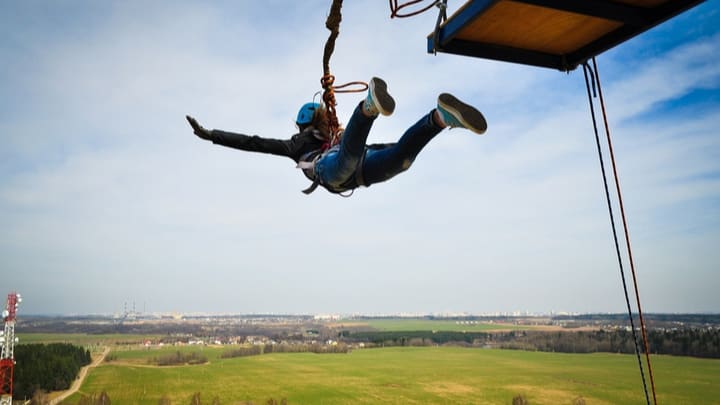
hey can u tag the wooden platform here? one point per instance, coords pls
(558, 34)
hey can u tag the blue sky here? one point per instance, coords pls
(107, 197)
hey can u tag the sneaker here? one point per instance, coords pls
(378, 100)
(456, 114)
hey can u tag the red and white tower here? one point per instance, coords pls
(7, 343)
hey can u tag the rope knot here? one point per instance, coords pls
(327, 81)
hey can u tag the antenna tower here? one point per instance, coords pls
(7, 344)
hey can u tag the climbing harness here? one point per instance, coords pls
(308, 165)
(592, 77)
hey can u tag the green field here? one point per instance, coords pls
(405, 375)
(404, 325)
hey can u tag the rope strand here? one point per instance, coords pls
(586, 69)
(395, 8)
(333, 24)
(328, 80)
(627, 233)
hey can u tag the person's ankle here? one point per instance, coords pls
(368, 109)
(438, 120)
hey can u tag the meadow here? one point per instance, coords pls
(404, 375)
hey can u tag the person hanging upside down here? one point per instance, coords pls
(353, 163)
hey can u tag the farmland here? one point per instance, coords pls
(404, 375)
(388, 360)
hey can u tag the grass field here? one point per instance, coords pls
(405, 375)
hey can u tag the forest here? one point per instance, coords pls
(47, 367)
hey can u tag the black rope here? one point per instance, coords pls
(588, 71)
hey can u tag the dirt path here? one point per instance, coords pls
(81, 377)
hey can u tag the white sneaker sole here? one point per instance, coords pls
(383, 100)
(469, 116)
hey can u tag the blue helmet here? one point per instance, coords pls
(305, 115)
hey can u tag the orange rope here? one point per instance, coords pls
(330, 102)
(333, 24)
(328, 80)
(341, 88)
(442, 16)
(395, 8)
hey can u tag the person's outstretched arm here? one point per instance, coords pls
(293, 148)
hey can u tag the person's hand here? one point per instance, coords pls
(198, 129)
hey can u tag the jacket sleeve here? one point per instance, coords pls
(294, 148)
(253, 143)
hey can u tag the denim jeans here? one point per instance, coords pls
(337, 170)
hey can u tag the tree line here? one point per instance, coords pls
(179, 358)
(677, 342)
(405, 338)
(256, 350)
(703, 343)
(104, 399)
(47, 367)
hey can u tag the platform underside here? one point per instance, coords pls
(558, 34)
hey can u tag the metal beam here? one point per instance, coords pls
(505, 54)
